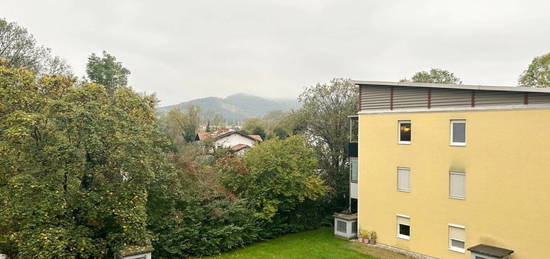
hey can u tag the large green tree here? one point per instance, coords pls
(325, 112)
(107, 71)
(435, 75)
(278, 179)
(538, 73)
(75, 166)
(21, 49)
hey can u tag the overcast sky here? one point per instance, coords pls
(183, 50)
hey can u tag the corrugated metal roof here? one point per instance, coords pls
(453, 86)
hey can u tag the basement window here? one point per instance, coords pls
(457, 237)
(405, 132)
(403, 227)
(458, 133)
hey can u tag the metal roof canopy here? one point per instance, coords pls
(454, 86)
(490, 251)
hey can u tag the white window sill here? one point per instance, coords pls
(404, 142)
(403, 237)
(407, 191)
(457, 144)
(458, 250)
(457, 198)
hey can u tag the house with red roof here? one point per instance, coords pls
(232, 139)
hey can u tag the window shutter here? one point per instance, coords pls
(457, 186)
(457, 233)
(403, 221)
(404, 179)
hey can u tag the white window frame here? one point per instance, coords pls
(399, 132)
(410, 187)
(450, 184)
(454, 248)
(397, 221)
(458, 144)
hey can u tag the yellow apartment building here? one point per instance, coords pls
(455, 171)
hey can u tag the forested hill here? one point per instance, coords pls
(237, 106)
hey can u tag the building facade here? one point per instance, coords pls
(451, 171)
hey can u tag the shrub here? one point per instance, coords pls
(191, 214)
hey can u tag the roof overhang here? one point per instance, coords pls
(454, 86)
(492, 251)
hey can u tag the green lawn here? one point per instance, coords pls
(312, 244)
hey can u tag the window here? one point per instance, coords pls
(458, 133)
(354, 169)
(341, 226)
(457, 237)
(457, 185)
(403, 227)
(405, 132)
(403, 179)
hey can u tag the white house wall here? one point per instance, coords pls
(233, 140)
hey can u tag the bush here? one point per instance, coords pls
(191, 214)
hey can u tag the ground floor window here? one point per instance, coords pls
(403, 226)
(457, 238)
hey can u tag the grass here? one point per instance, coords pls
(319, 243)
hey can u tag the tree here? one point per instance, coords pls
(325, 112)
(254, 126)
(192, 123)
(218, 121)
(173, 125)
(538, 73)
(278, 179)
(75, 168)
(435, 75)
(280, 133)
(181, 127)
(294, 123)
(107, 71)
(21, 49)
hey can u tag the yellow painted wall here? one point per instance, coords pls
(507, 165)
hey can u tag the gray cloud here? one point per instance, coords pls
(187, 49)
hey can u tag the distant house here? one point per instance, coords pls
(231, 139)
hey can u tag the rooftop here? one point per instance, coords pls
(453, 86)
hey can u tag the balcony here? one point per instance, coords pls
(352, 152)
(352, 149)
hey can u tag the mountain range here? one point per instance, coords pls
(237, 107)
